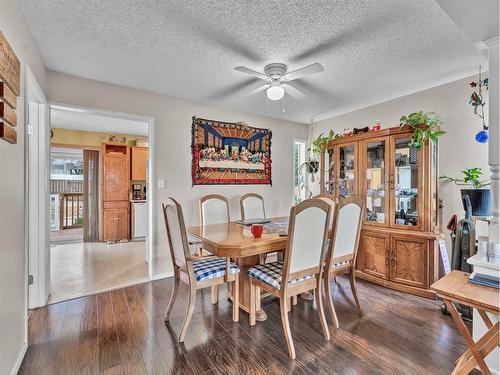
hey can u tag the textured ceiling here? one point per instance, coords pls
(372, 50)
(67, 118)
(478, 28)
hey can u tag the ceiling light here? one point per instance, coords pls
(275, 93)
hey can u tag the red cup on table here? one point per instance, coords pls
(257, 230)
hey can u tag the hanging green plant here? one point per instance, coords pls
(319, 144)
(425, 127)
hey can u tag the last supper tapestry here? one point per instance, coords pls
(230, 153)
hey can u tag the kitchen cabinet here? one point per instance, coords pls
(115, 192)
(139, 163)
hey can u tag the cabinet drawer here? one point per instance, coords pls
(115, 204)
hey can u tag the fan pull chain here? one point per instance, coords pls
(284, 99)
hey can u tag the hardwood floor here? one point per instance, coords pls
(122, 332)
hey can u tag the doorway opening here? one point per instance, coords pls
(66, 195)
(100, 169)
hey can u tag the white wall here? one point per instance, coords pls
(457, 148)
(173, 119)
(12, 248)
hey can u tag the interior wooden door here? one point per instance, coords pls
(374, 180)
(409, 261)
(406, 182)
(115, 177)
(346, 166)
(373, 254)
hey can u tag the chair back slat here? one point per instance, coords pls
(252, 207)
(214, 209)
(307, 232)
(176, 232)
(347, 226)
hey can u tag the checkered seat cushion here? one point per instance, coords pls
(340, 264)
(270, 273)
(212, 268)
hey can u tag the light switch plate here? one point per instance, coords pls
(161, 184)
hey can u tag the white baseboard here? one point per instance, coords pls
(162, 276)
(19, 360)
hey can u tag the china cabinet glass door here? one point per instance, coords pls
(347, 170)
(406, 184)
(328, 170)
(375, 174)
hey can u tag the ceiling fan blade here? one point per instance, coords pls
(257, 90)
(305, 71)
(252, 72)
(293, 92)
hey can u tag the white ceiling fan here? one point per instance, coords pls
(277, 79)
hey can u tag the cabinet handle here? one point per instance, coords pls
(387, 258)
(391, 182)
(393, 258)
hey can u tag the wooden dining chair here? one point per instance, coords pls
(328, 198)
(214, 209)
(197, 272)
(252, 206)
(301, 268)
(332, 203)
(343, 248)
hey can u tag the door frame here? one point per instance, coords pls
(37, 195)
(151, 194)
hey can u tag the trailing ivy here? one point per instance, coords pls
(425, 127)
(320, 143)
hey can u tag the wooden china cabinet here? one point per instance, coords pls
(115, 192)
(398, 246)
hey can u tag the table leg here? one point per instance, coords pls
(245, 264)
(464, 361)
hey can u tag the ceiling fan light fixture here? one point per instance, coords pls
(275, 93)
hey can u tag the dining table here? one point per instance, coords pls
(236, 241)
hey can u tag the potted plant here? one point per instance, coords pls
(318, 146)
(480, 198)
(425, 127)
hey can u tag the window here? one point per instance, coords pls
(299, 172)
